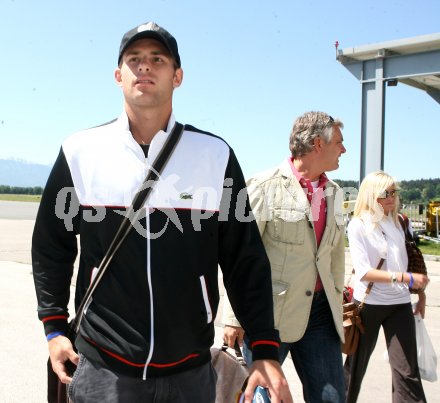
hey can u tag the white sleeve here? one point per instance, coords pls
(361, 251)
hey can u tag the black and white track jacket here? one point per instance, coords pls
(153, 312)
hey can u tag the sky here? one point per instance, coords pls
(250, 68)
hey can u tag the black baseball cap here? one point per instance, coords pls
(153, 31)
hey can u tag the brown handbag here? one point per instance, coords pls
(352, 321)
(416, 263)
(353, 326)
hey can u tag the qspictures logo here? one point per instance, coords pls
(229, 205)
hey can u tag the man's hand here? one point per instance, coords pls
(60, 351)
(231, 333)
(268, 373)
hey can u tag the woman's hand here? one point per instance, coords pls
(421, 304)
(420, 281)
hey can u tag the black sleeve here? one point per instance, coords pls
(245, 266)
(54, 246)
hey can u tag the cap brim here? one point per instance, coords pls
(144, 35)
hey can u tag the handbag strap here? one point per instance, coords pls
(404, 222)
(370, 284)
(238, 353)
(132, 215)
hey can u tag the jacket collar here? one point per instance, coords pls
(292, 185)
(157, 142)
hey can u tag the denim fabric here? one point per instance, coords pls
(93, 383)
(317, 356)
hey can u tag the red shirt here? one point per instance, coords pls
(318, 206)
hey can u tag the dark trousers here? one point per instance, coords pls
(93, 383)
(400, 335)
(317, 356)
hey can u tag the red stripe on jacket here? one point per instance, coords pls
(151, 364)
(270, 342)
(54, 318)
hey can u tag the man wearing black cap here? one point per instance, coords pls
(147, 332)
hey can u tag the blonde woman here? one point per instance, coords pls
(375, 233)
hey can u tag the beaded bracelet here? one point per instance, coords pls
(393, 278)
(411, 282)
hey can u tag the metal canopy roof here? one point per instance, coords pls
(422, 50)
(412, 61)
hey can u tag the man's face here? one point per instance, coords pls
(333, 150)
(147, 74)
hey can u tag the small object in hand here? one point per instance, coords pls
(347, 294)
(261, 395)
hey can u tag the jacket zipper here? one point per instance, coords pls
(150, 288)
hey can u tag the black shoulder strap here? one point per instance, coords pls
(131, 216)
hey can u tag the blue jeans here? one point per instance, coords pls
(317, 356)
(93, 383)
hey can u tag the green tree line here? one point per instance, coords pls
(18, 190)
(413, 191)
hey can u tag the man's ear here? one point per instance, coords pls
(178, 78)
(118, 77)
(317, 143)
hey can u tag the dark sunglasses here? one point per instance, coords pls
(387, 193)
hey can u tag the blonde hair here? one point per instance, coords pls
(371, 187)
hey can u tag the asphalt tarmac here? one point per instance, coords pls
(23, 351)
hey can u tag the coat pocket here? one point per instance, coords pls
(289, 226)
(279, 292)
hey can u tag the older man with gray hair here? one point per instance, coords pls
(302, 230)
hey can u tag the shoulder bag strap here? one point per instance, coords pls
(404, 222)
(238, 354)
(370, 285)
(131, 216)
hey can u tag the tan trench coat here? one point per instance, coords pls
(282, 212)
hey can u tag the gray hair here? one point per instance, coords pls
(309, 126)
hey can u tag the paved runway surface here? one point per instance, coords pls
(23, 351)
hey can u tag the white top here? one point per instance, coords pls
(368, 243)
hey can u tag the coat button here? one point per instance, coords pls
(308, 293)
